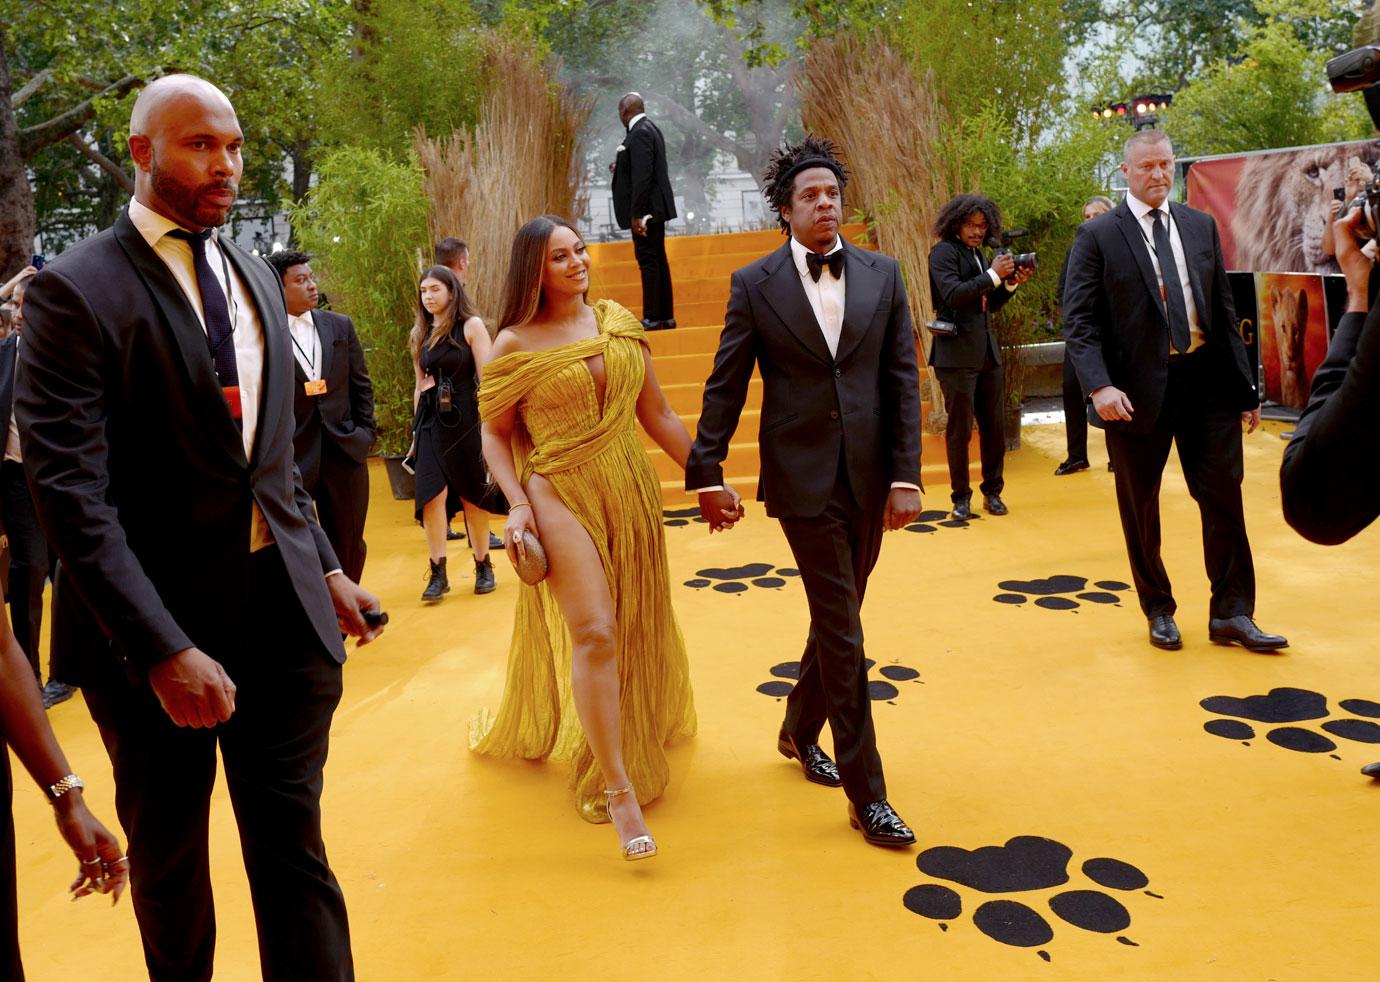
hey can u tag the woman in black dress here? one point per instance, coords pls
(449, 346)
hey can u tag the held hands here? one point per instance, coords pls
(1111, 403)
(902, 507)
(90, 840)
(350, 598)
(193, 689)
(721, 509)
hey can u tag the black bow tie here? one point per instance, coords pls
(815, 263)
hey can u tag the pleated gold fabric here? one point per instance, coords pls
(593, 458)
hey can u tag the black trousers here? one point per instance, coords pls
(1075, 413)
(1208, 435)
(974, 394)
(835, 552)
(342, 502)
(28, 559)
(11, 970)
(650, 250)
(274, 749)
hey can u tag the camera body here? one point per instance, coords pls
(1023, 260)
(1368, 203)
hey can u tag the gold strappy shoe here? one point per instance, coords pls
(639, 847)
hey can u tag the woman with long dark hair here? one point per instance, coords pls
(966, 291)
(450, 345)
(597, 670)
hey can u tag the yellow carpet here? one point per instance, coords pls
(1023, 721)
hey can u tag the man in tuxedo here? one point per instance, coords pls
(333, 403)
(829, 326)
(642, 201)
(201, 605)
(1150, 327)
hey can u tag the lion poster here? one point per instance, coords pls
(1293, 334)
(1274, 208)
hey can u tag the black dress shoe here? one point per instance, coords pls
(963, 510)
(495, 542)
(1070, 467)
(1372, 770)
(818, 768)
(1242, 630)
(1164, 633)
(454, 536)
(993, 505)
(650, 325)
(55, 692)
(880, 825)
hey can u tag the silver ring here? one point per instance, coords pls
(91, 862)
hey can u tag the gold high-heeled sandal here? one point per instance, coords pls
(631, 852)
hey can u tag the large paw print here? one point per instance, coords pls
(736, 579)
(677, 517)
(879, 690)
(1027, 864)
(1048, 592)
(1287, 705)
(933, 521)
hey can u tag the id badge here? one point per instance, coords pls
(315, 387)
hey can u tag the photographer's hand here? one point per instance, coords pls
(1003, 265)
(1022, 275)
(1356, 265)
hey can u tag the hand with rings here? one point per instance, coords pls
(103, 866)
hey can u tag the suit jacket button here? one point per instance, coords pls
(833, 414)
(838, 373)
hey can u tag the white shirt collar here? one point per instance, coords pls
(302, 320)
(633, 122)
(799, 252)
(1140, 209)
(151, 225)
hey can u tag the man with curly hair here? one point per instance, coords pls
(829, 327)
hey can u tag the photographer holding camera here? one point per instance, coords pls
(966, 291)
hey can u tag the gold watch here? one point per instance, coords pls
(69, 783)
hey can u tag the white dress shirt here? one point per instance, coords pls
(1142, 211)
(306, 344)
(826, 300)
(248, 331)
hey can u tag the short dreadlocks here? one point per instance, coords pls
(778, 180)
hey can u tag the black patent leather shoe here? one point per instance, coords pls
(963, 510)
(1070, 467)
(1242, 630)
(818, 768)
(1164, 633)
(880, 825)
(1372, 770)
(495, 542)
(993, 505)
(453, 536)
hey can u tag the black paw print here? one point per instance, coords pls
(731, 580)
(1047, 592)
(1287, 705)
(676, 517)
(1026, 864)
(933, 521)
(880, 690)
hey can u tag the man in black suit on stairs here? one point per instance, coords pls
(1150, 327)
(643, 201)
(201, 604)
(829, 326)
(333, 403)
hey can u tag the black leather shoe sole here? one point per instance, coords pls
(1071, 467)
(890, 841)
(787, 750)
(1167, 645)
(1230, 639)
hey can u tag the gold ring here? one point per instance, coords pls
(91, 862)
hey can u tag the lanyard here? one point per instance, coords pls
(309, 359)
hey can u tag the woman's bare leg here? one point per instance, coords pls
(434, 524)
(477, 528)
(578, 581)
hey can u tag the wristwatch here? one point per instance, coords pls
(68, 783)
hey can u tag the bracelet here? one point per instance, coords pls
(69, 783)
(520, 504)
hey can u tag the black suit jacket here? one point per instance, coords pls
(959, 282)
(139, 471)
(641, 181)
(864, 403)
(345, 414)
(1116, 330)
(1330, 476)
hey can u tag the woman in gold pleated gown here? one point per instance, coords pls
(597, 671)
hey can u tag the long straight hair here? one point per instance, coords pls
(522, 295)
(429, 330)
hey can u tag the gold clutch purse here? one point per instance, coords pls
(530, 568)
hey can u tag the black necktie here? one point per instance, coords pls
(219, 330)
(1172, 289)
(815, 263)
